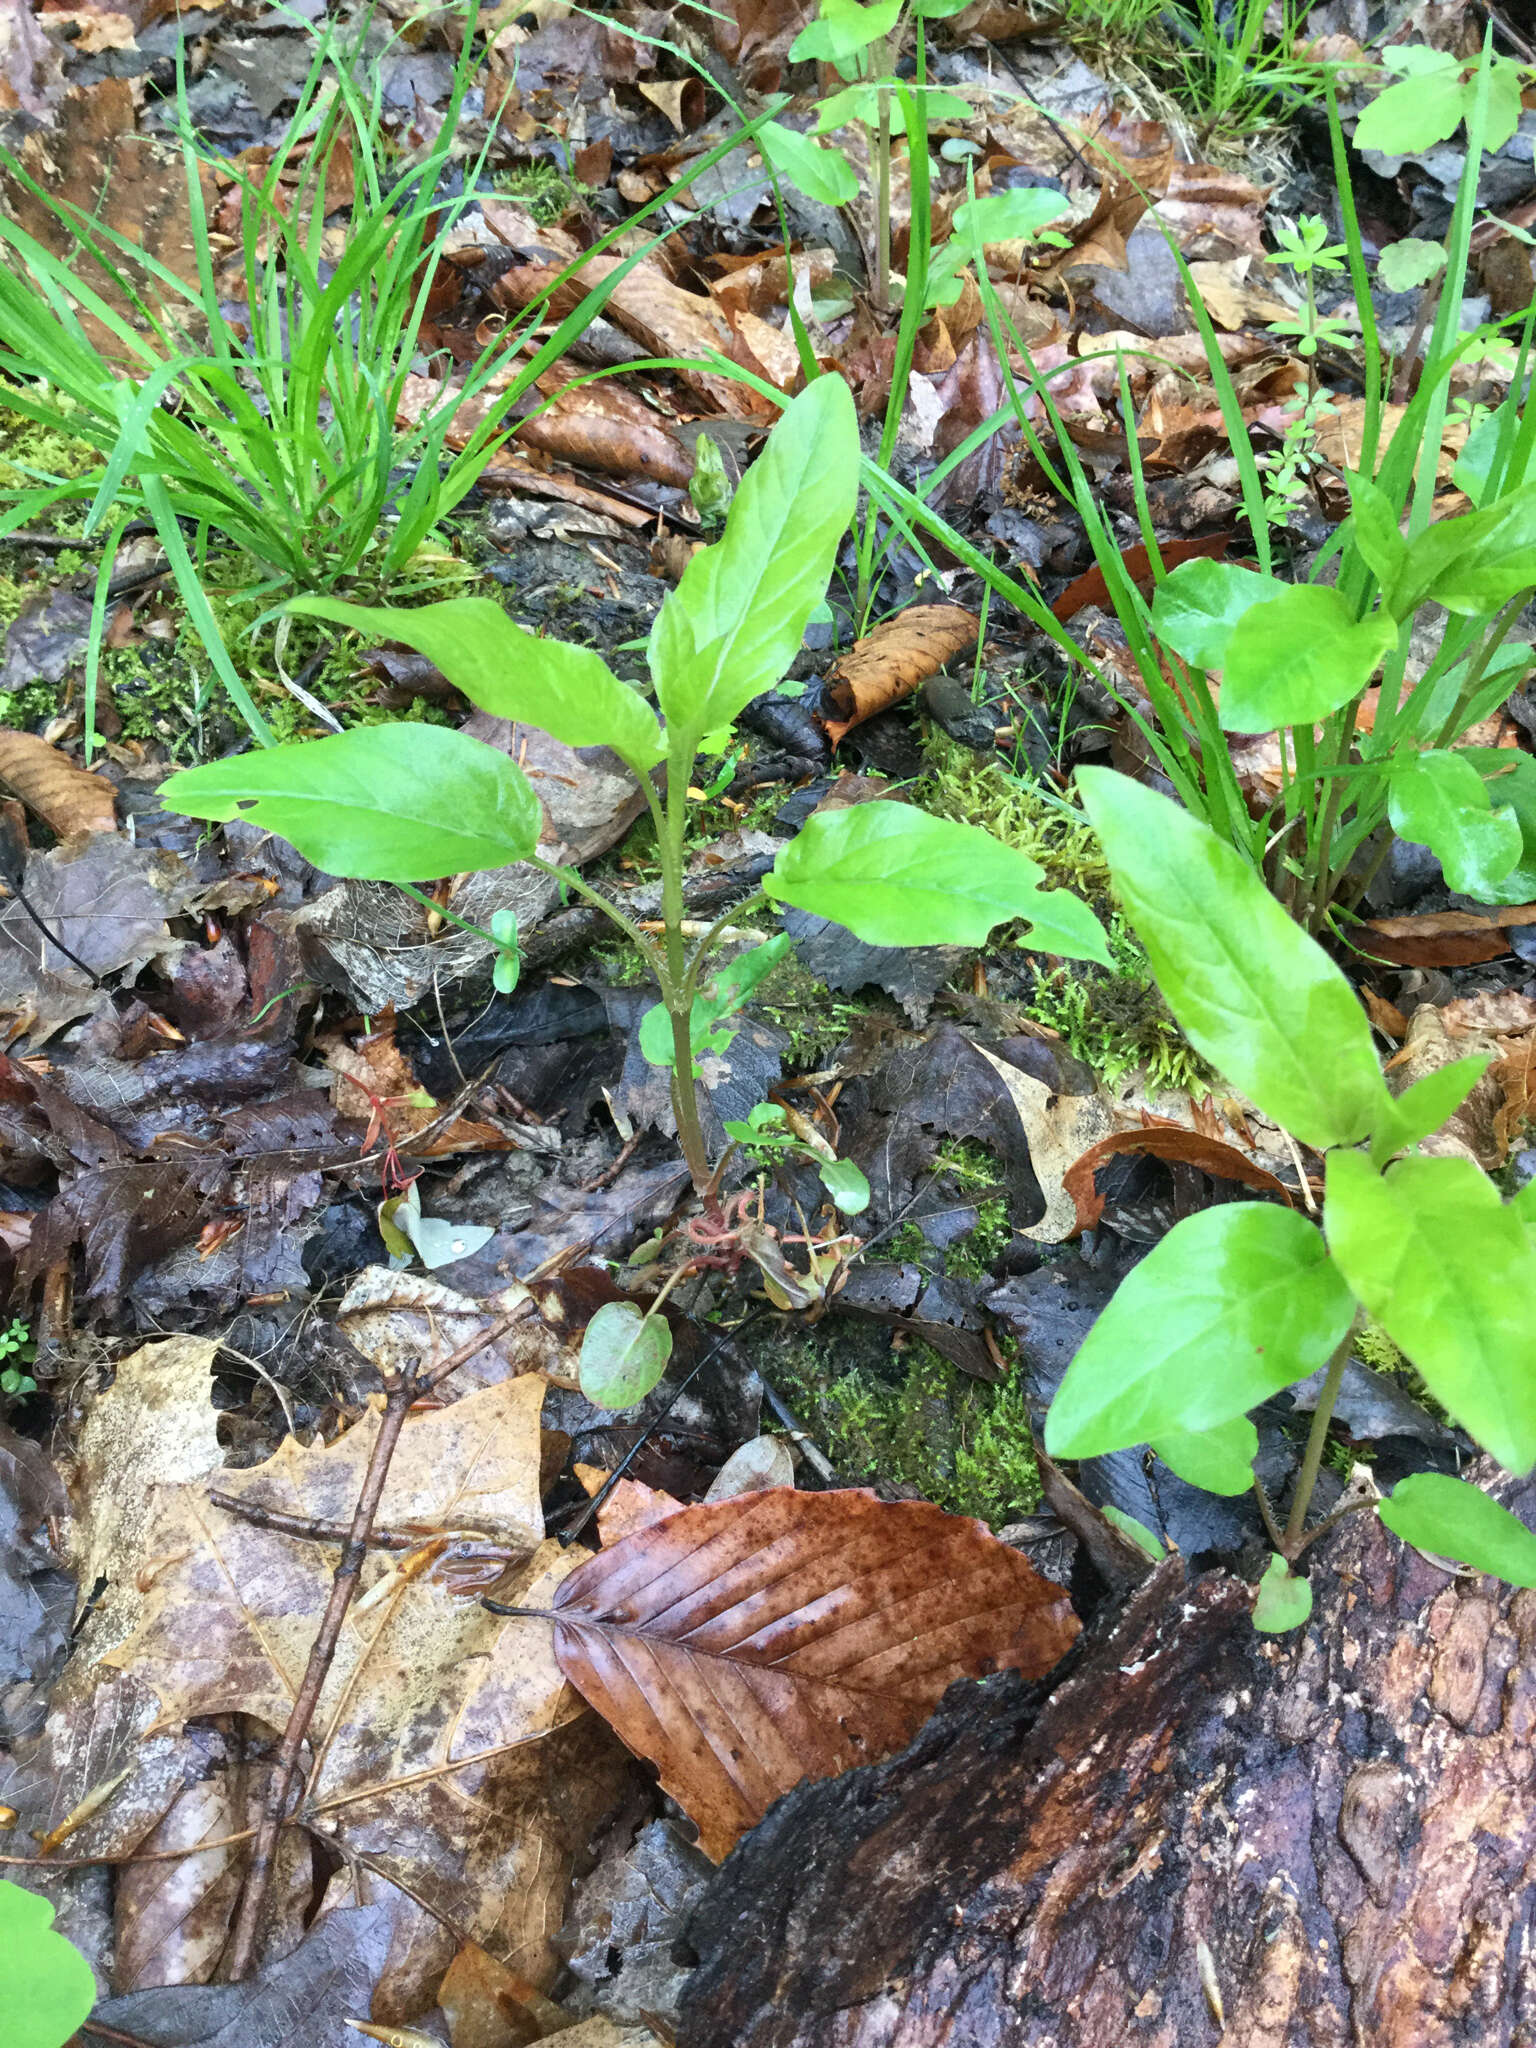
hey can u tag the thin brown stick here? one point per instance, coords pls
(401, 1392)
(310, 1527)
(436, 1374)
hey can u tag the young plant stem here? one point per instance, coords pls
(883, 207)
(676, 993)
(1317, 1438)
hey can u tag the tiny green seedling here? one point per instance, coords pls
(411, 803)
(1240, 1301)
(16, 1343)
(769, 1134)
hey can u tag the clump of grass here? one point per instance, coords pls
(962, 1443)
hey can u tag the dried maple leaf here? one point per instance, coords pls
(447, 1752)
(745, 1644)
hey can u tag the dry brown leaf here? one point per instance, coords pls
(890, 663)
(630, 1507)
(664, 318)
(1341, 432)
(1211, 1155)
(68, 799)
(753, 284)
(1473, 1131)
(1060, 1128)
(1234, 298)
(447, 1749)
(155, 1426)
(1445, 938)
(1495, 1013)
(375, 1082)
(603, 426)
(743, 1645)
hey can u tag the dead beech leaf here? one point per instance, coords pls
(1164, 1141)
(630, 1507)
(890, 663)
(745, 1644)
(68, 799)
(1445, 938)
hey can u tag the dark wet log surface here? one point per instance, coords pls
(1205, 1836)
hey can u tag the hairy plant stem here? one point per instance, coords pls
(1312, 1457)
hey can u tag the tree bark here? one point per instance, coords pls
(1202, 1836)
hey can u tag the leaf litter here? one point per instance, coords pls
(224, 1066)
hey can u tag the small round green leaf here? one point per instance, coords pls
(382, 803)
(1438, 799)
(845, 1184)
(46, 1986)
(1298, 657)
(897, 876)
(818, 169)
(1451, 1519)
(1284, 1601)
(623, 1354)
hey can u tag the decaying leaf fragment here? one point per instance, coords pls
(745, 1644)
(892, 661)
(67, 798)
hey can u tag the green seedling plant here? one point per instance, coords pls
(1225, 648)
(414, 803)
(771, 1135)
(16, 1349)
(1242, 1300)
(289, 439)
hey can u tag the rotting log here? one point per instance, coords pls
(1203, 1836)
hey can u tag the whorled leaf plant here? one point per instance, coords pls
(413, 803)
(1240, 1301)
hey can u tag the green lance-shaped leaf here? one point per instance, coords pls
(1473, 563)
(1219, 1459)
(1449, 1271)
(1452, 1519)
(568, 692)
(46, 1986)
(1232, 1305)
(382, 803)
(1437, 799)
(897, 876)
(624, 1353)
(1144, 1538)
(1426, 1105)
(1260, 999)
(1197, 606)
(1298, 657)
(735, 622)
(1284, 1601)
(846, 1184)
(819, 170)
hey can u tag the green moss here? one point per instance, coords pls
(815, 1020)
(1113, 1019)
(962, 1443)
(540, 188)
(30, 450)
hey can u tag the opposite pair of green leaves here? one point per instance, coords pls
(1240, 1301)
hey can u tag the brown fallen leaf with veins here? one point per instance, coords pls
(744, 1644)
(894, 660)
(67, 798)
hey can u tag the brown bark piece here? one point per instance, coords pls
(745, 1644)
(1206, 1836)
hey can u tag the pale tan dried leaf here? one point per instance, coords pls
(1060, 1129)
(745, 1644)
(68, 799)
(396, 1319)
(752, 1467)
(630, 1507)
(154, 1426)
(892, 661)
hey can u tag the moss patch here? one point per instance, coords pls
(917, 1420)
